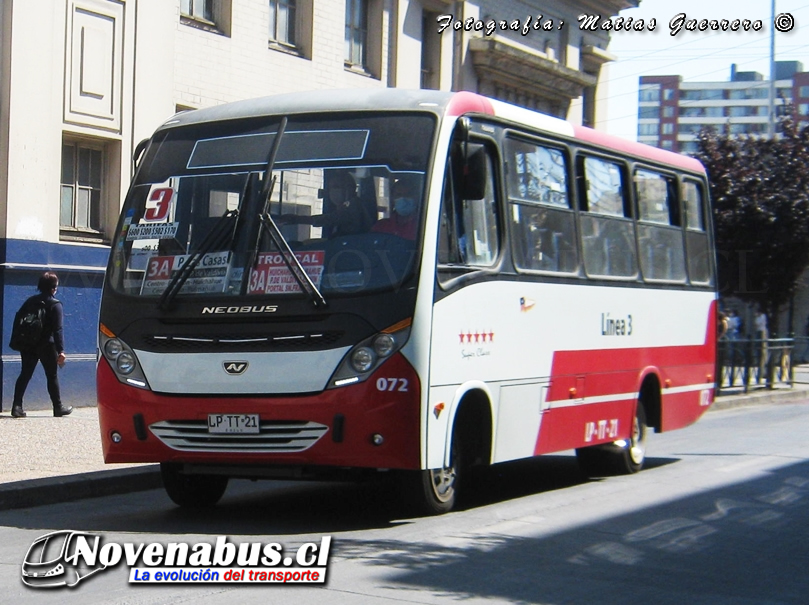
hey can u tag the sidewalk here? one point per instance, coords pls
(45, 460)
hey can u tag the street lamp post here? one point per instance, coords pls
(771, 124)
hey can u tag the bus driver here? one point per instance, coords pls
(404, 217)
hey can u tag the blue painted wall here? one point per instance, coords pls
(81, 273)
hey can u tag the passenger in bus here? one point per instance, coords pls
(404, 218)
(345, 210)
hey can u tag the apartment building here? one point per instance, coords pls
(672, 112)
(83, 81)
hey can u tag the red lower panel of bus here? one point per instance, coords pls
(387, 405)
(593, 394)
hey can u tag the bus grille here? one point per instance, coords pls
(273, 437)
(241, 342)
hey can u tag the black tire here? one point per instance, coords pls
(623, 457)
(435, 491)
(192, 491)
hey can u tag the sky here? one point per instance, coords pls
(697, 56)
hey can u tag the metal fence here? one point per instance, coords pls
(752, 362)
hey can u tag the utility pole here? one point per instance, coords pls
(771, 125)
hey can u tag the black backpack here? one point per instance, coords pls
(29, 325)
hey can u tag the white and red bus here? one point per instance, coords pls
(408, 281)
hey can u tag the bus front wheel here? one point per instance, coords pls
(192, 491)
(622, 457)
(436, 490)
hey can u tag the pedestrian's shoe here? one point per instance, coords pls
(62, 410)
(18, 412)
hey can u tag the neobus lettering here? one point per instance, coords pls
(244, 309)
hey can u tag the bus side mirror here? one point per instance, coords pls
(475, 173)
(472, 165)
(461, 132)
(137, 155)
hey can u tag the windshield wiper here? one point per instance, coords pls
(291, 261)
(267, 223)
(217, 237)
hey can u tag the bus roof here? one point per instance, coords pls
(447, 104)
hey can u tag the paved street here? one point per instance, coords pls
(719, 517)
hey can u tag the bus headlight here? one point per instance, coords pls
(362, 359)
(125, 362)
(122, 359)
(368, 355)
(113, 348)
(384, 345)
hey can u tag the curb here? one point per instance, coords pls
(761, 396)
(68, 488)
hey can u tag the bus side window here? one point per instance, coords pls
(449, 253)
(698, 250)
(607, 231)
(543, 227)
(660, 238)
(469, 223)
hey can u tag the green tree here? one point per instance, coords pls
(760, 195)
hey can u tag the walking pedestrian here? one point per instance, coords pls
(48, 350)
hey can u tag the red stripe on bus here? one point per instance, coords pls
(656, 154)
(468, 102)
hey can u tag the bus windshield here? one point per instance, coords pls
(346, 194)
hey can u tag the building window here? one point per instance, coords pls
(702, 94)
(759, 92)
(209, 15)
(282, 22)
(649, 92)
(356, 46)
(648, 129)
(81, 190)
(197, 9)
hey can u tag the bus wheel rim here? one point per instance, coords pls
(637, 449)
(443, 482)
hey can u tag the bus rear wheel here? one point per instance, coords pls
(192, 491)
(622, 457)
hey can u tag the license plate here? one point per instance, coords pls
(233, 423)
